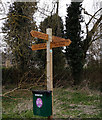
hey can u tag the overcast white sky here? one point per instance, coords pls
(87, 4)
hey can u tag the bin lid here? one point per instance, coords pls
(41, 91)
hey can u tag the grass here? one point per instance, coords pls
(76, 104)
(67, 103)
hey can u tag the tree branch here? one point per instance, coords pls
(93, 16)
(42, 13)
(94, 40)
(92, 31)
(3, 18)
(17, 15)
(85, 12)
(88, 41)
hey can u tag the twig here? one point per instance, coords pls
(3, 18)
(40, 77)
(42, 13)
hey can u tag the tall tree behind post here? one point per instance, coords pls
(55, 22)
(58, 56)
(74, 52)
(18, 26)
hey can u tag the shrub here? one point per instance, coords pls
(92, 75)
(10, 75)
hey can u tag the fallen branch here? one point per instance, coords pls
(20, 86)
(11, 91)
(12, 98)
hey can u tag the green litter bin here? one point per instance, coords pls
(42, 102)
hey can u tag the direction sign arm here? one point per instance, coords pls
(39, 35)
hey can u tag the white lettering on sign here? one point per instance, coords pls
(39, 95)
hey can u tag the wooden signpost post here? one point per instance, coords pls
(52, 42)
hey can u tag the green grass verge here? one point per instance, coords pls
(67, 103)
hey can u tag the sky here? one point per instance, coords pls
(87, 4)
(62, 7)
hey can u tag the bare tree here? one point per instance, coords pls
(92, 34)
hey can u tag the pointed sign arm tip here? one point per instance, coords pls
(69, 41)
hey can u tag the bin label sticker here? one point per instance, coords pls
(39, 102)
(39, 95)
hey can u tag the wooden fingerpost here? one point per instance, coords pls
(49, 66)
